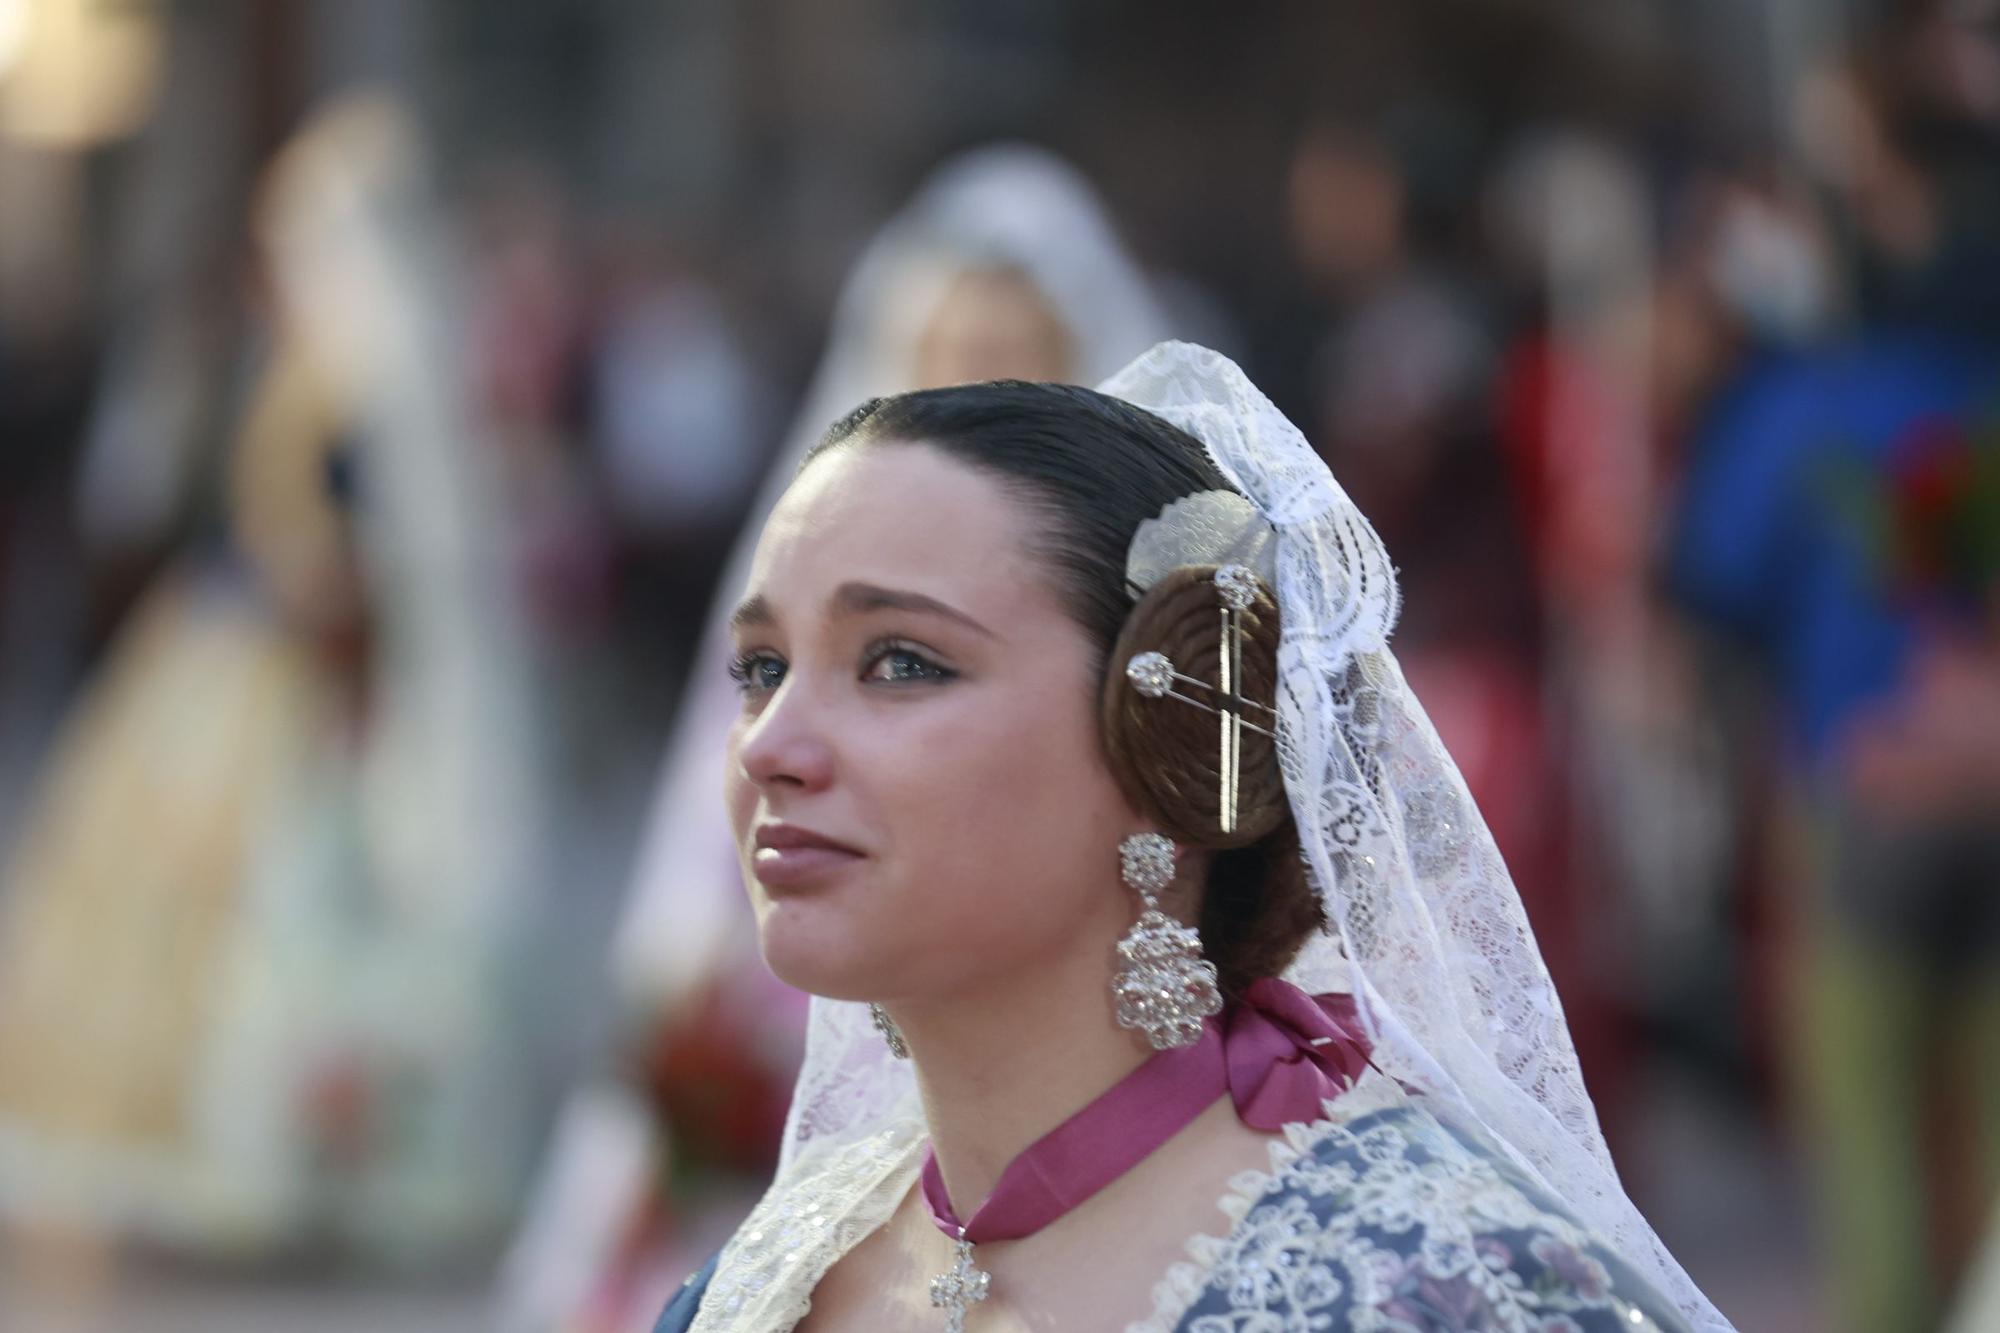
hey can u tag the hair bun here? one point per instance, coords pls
(1166, 752)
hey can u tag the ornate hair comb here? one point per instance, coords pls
(1223, 529)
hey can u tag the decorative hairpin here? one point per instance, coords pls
(1223, 529)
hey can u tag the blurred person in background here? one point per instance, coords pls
(46, 369)
(1401, 383)
(1398, 383)
(1611, 346)
(1004, 264)
(1843, 513)
(626, 428)
(527, 323)
(1900, 135)
(76, 82)
(677, 424)
(260, 923)
(624, 411)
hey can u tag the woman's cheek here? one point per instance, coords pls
(739, 796)
(739, 793)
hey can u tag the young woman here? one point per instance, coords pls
(1003, 264)
(1074, 779)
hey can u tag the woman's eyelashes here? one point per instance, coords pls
(891, 662)
(883, 662)
(757, 672)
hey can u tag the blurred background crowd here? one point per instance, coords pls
(384, 387)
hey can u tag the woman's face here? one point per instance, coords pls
(914, 691)
(992, 324)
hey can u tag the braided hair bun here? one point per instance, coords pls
(1166, 752)
(1257, 909)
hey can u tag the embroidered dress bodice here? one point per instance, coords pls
(1376, 1217)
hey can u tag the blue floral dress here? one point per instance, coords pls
(1388, 1222)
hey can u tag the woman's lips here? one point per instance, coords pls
(799, 867)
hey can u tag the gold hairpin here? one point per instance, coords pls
(1223, 529)
(1153, 675)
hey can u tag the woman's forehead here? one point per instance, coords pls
(899, 515)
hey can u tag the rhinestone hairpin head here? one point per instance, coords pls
(1237, 586)
(1151, 674)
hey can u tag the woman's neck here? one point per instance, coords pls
(999, 1068)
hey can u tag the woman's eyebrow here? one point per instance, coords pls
(858, 598)
(754, 611)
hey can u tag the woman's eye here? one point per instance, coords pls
(757, 671)
(900, 665)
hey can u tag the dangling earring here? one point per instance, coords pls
(1163, 985)
(890, 1032)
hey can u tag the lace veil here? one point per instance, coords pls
(1425, 926)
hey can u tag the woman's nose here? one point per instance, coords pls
(785, 745)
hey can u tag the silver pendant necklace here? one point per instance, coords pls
(962, 1287)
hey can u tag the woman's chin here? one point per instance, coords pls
(807, 956)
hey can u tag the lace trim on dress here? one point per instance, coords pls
(1185, 1279)
(766, 1274)
(1417, 1218)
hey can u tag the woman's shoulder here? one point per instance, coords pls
(824, 1203)
(1382, 1217)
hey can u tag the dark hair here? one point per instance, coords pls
(1093, 468)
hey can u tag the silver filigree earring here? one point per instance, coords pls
(890, 1032)
(1163, 985)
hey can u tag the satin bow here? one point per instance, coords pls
(1285, 1052)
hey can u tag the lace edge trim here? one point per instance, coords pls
(1185, 1279)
